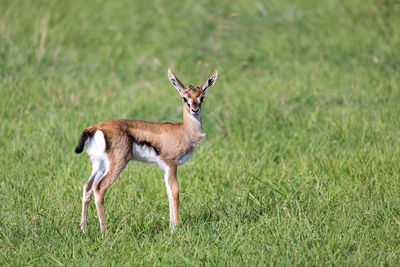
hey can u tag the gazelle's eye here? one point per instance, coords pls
(184, 99)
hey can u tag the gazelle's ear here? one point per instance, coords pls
(210, 81)
(175, 81)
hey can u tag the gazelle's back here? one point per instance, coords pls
(166, 139)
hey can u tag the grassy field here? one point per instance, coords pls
(300, 164)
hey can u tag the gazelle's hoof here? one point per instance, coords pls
(172, 226)
(104, 233)
(83, 227)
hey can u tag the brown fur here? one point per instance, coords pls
(171, 141)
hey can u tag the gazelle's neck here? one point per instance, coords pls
(192, 121)
(192, 126)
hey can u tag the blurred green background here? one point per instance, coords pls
(300, 162)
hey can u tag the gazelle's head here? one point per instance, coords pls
(192, 96)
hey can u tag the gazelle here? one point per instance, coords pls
(112, 144)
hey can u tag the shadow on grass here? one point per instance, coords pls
(226, 213)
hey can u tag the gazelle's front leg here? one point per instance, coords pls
(171, 183)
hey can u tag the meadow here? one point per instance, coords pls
(300, 163)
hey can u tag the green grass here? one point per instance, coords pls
(300, 164)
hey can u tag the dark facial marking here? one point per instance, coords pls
(186, 101)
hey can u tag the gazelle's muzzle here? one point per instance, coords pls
(195, 111)
(195, 108)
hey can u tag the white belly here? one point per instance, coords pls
(145, 153)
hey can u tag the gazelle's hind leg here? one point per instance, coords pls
(87, 195)
(117, 164)
(98, 170)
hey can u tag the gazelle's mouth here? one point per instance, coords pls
(194, 112)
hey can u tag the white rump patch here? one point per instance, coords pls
(96, 144)
(95, 147)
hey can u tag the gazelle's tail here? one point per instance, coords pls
(88, 132)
